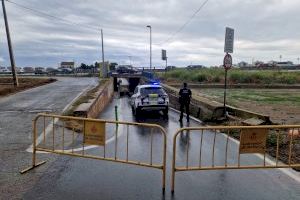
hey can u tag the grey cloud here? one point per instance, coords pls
(264, 29)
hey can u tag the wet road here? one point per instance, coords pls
(81, 178)
(16, 114)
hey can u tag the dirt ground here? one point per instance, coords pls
(282, 105)
(7, 87)
(279, 114)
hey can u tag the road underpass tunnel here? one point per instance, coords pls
(132, 83)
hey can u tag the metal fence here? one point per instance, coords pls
(235, 147)
(99, 139)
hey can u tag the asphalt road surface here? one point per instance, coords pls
(16, 114)
(82, 178)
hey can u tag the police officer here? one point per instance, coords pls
(185, 95)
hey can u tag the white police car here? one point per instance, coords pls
(149, 98)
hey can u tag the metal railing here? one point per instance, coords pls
(66, 135)
(234, 148)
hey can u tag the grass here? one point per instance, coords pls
(269, 96)
(216, 75)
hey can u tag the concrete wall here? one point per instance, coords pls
(102, 98)
(206, 109)
(200, 107)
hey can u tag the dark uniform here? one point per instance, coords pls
(185, 95)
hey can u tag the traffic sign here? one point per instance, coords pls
(163, 54)
(229, 38)
(227, 62)
(253, 141)
(94, 133)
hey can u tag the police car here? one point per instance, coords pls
(151, 97)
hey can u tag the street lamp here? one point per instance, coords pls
(150, 46)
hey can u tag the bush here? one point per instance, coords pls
(216, 75)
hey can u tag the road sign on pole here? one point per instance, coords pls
(229, 38)
(227, 62)
(163, 54)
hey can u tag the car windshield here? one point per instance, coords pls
(152, 90)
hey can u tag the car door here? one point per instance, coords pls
(134, 96)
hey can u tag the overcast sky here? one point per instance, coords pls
(264, 30)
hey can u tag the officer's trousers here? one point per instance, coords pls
(187, 111)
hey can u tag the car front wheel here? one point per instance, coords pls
(165, 112)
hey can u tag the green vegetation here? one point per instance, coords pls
(270, 96)
(216, 75)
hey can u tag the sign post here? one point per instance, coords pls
(227, 62)
(164, 57)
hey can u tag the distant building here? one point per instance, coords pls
(242, 64)
(39, 70)
(3, 69)
(170, 68)
(67, 65)
(28, 70)
(285, 64)
(195, 66)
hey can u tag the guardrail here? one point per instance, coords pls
(247, 153)
(73, 136)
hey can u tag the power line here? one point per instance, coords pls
(94, 28)
(185, 24)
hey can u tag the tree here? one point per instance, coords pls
(83, 66)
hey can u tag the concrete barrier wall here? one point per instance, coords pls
(201, 108)
(102, 100)
(206, 109)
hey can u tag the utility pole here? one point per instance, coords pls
(150, 46)
(103, 64)
(129, 59)
(11, 54)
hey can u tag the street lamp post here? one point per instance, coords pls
(150, 45)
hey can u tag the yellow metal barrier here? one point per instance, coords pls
(238, 147)
(76, 136)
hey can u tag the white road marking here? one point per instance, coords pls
(94, 146)
(289, 172)
(49, 127)
(191, 117)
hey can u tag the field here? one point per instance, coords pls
(235, 76)
(6, 86)
(283, 105)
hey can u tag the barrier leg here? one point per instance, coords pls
(164, 163)
(173, 165)
(34, 164)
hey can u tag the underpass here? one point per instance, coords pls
(82, 178)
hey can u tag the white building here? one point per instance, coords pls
(67, 65)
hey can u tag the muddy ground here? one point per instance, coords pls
(7, 87)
